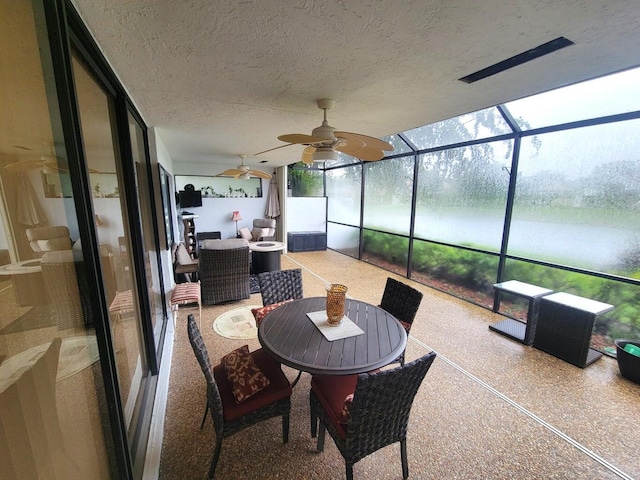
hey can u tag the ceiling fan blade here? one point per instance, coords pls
(23, 166)
(258, 173)
(272, 149)
(306, 155)
(232, 172)
(365, 154)
(358, 138)
(60, 165)
(300, 138)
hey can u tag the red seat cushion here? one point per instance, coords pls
(332, 391)
(279, 387)
(261, 312)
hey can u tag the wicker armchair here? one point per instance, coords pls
(228, 416)
(67, 287)
(224, 270)
(401, 301)
(280, 285)
(378, 415)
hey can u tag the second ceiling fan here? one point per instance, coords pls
(325, 141)
(244, 172)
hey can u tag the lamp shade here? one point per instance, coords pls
(236, 217)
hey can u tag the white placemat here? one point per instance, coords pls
(345, 329)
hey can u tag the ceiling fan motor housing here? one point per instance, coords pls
(325, 132)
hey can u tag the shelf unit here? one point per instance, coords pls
(190, 240)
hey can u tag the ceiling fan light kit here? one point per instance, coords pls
(322, 155)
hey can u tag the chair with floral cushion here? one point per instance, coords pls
(401, 301)
(243, 390)
(276, 288)
(364, 413)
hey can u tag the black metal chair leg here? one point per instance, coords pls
(297, 378)
(204, 417)
(314, 425)
(214, 460)
(320, 446)
(349, 471)
(403, 457)
(285, 428)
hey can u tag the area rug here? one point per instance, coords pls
(37, 317)
(237, 323)
(76, 354)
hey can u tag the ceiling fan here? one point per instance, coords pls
(47, 163)
(325, 141)
(244, 172)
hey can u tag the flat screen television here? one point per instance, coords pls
(190, 198)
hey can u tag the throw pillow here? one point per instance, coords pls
(346, 410)
(245, 377)
(182, 256)
(258, 233)
(261, 312)
(246, 234)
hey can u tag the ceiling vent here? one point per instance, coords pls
(524, 57)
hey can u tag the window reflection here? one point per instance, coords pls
(52, 419)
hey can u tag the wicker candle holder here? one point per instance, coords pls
(335, 303)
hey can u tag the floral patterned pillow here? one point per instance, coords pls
(261, 312)
(245, 377)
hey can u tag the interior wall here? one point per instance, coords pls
(307, 214)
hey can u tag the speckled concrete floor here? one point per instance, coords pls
(488, 408)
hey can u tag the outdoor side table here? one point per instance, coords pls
(518, 330)
(565, 324)
(265, 256)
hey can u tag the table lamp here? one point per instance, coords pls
(236, 217)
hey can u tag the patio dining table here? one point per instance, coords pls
(292, 338)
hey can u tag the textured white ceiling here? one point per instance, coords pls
(221, 78)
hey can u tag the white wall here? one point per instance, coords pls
(215, 214)
(306, 214)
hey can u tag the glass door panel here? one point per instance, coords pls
(103, 157)
(144, 190)
(54, 421)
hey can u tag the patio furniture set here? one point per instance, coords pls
(559, 323)
(361, 405)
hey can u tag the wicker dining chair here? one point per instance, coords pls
(281, 285)
(228, 416)
(376, 415)
(401, 301)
